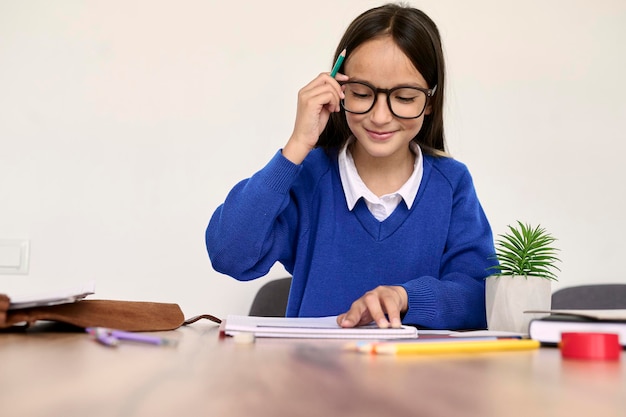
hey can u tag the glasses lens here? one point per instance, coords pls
(359, 98)
(407, 102)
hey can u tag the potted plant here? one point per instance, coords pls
(522, 280)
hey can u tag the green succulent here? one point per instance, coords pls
(526, 251)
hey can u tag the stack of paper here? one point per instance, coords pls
(310, 328)
(31, 298)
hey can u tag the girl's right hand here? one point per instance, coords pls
(316, 102)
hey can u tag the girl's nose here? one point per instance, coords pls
(381, 113)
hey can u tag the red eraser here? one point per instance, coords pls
(599, 346)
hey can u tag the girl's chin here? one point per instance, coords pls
(379, 149)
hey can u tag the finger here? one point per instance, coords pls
(321, 79)
(325, 79)
(373, 303)
(390, 306)
(357, 315)
(339, 87)
(322, 95)
(400, 304)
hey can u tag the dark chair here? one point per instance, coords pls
(271, 299)
(590, 297)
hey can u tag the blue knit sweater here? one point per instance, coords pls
(297, 215)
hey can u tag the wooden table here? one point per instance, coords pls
(51, 373)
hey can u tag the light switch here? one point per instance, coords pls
(14, 256)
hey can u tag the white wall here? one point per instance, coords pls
(123, 124)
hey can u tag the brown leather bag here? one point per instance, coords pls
(115, 314)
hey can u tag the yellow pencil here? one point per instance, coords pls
(419, 348)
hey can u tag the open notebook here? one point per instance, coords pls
(309, 328)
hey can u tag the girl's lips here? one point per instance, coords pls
(379, 136)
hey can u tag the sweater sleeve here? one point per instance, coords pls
(456, 298)
(255, 226)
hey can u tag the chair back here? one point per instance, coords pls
(271, 299)
(590, 297)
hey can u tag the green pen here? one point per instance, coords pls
(338, 63)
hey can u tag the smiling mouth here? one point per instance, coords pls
(379, 136)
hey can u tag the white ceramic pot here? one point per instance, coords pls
(508, 296)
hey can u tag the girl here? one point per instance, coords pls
(363, 206)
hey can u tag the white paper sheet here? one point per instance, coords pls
(32, 298)
(310, 328)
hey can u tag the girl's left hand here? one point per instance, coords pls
(383, 305)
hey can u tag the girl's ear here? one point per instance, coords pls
(428, 110)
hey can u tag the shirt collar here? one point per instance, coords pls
(354, 188)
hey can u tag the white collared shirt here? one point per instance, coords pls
(381, 207)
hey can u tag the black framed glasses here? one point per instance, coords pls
(404, 102)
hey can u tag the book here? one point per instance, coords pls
(548, 330)
(310, 328)
(27, 298)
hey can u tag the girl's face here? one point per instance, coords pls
(382, 64)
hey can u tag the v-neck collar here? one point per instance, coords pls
(382, 230)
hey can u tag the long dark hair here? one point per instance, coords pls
(418, 37)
